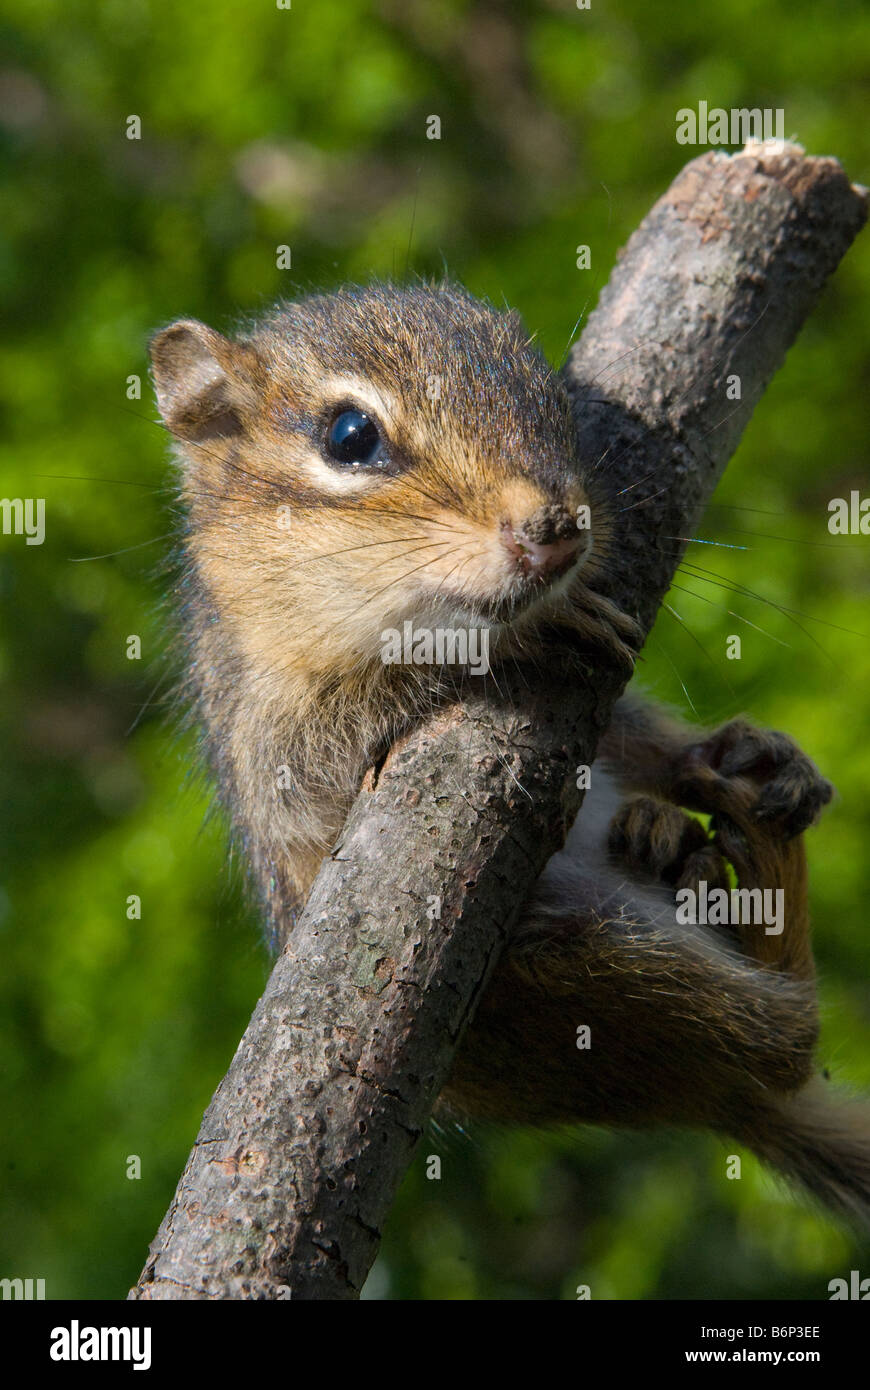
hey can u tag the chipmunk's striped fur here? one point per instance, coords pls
(474, 509)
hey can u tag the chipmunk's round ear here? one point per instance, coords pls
(203, 381)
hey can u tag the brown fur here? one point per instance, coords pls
(295, 568)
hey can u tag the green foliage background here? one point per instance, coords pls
(306, 126)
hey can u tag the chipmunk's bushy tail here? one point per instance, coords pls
(821, 1140)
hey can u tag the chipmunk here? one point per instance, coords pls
(356, 460)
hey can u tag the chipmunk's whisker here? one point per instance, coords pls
(681, 620)
(788, 540)
(121, 482)
(645, 501)
(639, 482)
(430, 545)
(399, 579)
(737, 587)
(739, 616)
(682, 683)
(629, 352)
(733, 507)
(570, 343)
(125, 550)
(701, 575)
(330, 555)
(349, 550)
(409, 516)
(697, 540)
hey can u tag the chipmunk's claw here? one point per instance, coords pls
(657, 838)
(758, 772)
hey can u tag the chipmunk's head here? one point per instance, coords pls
(375, 456)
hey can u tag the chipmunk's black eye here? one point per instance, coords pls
(354, 440)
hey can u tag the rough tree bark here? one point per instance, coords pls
(307, 1137)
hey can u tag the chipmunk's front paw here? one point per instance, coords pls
(754, 775)
(656, 838)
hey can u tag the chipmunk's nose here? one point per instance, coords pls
(547, 543)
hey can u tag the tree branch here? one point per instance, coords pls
(307, 1137)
